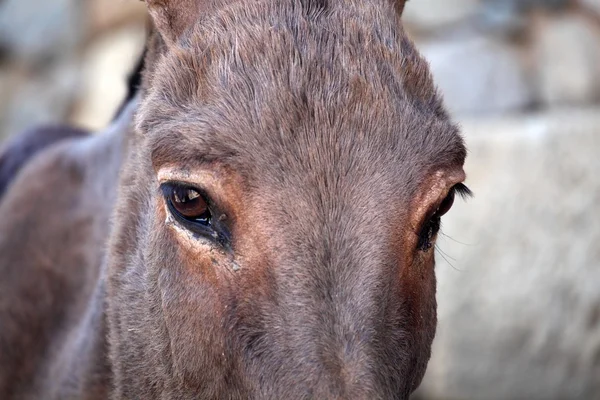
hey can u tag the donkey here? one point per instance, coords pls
(276, 188)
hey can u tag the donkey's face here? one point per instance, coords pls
(278, 217)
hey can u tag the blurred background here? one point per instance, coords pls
(518, 265)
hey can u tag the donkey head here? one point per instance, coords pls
(278, 212)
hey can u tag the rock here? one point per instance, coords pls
(502, 17)
(41, 97)
(6, 83)
(592, 4)
(106, 66)
(478, 75)
(35, 30)
(519, 308)
(568, 60)
(110, 15)
(435, 14)
(39, 41)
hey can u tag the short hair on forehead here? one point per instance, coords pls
(234, 89)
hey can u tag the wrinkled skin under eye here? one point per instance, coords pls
(432, 225)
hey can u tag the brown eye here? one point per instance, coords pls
(432, 226)
(188, 203)
(192, 210)
(446, 204)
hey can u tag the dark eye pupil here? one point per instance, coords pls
(431, 227)
(446, 205)
(190, 204)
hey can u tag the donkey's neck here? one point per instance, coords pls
(80, 364)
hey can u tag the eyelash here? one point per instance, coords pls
(433, 224)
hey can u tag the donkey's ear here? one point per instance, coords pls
(173, 17)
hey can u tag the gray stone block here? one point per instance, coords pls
(567, 53)
(478, 74)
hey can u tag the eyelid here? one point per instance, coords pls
(176, 174)
(168, 185)
(459, 189)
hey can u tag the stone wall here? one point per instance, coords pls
(498, 56)
(65, 60)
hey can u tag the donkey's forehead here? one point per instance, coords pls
(278, 85)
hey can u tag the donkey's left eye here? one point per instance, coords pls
(187, 203)
(193, 210)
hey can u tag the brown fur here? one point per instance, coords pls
(315, 129)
